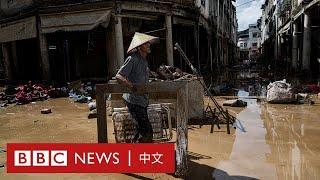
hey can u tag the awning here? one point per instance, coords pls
(285, 28)
(74, 21)
(177, 20)
(18, 30)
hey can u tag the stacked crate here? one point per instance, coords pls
(124, 125)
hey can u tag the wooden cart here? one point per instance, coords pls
(179, 87)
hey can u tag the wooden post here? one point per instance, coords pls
(101, 114)
(182, 132)
(44, 57)
(112, 64)
(295, 46)
(169, 43)
(228, 122)
(306, 42)
(197, 45)
(119, 40)
(15, 57)
(6, 61)
(213, 120)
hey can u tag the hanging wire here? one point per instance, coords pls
(245, 3)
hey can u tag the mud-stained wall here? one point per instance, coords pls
(10, 7)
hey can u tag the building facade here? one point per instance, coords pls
(69, 40)
(290, 35)
(220, 17)
(249, 43)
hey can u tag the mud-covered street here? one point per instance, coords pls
(219, 89)
(280, 141)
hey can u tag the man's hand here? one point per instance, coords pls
(124, 81)
(134, 89)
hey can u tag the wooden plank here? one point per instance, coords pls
(114, 87)
(101, 114)
(182, 132)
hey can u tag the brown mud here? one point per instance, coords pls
(281, 142)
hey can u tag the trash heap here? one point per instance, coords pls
(235, 103)
(165, 72)
(283, 92)
(31, 92)
(280, 92)
(80, 92)
(24, 94)
(309, 88)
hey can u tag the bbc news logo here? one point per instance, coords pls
(90, 158)
(40, 158)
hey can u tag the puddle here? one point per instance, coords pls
(248, 156)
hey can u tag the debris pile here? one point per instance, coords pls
(93, 110)
(55, 92)
(23, 94)
(304, 98)
(46, 111)
(280, 92)
(81, 94)
(31, 92)
(170, 73)
(309, 88)
(235, 103)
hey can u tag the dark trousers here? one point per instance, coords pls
(144, 133)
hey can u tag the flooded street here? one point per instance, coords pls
(249, 152)
(280, 142)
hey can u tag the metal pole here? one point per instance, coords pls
(224, 114)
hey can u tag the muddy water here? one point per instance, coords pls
(280, 142)
(293, 134)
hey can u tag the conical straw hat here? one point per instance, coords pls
(139, 39)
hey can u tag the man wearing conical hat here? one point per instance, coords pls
(135, 72)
